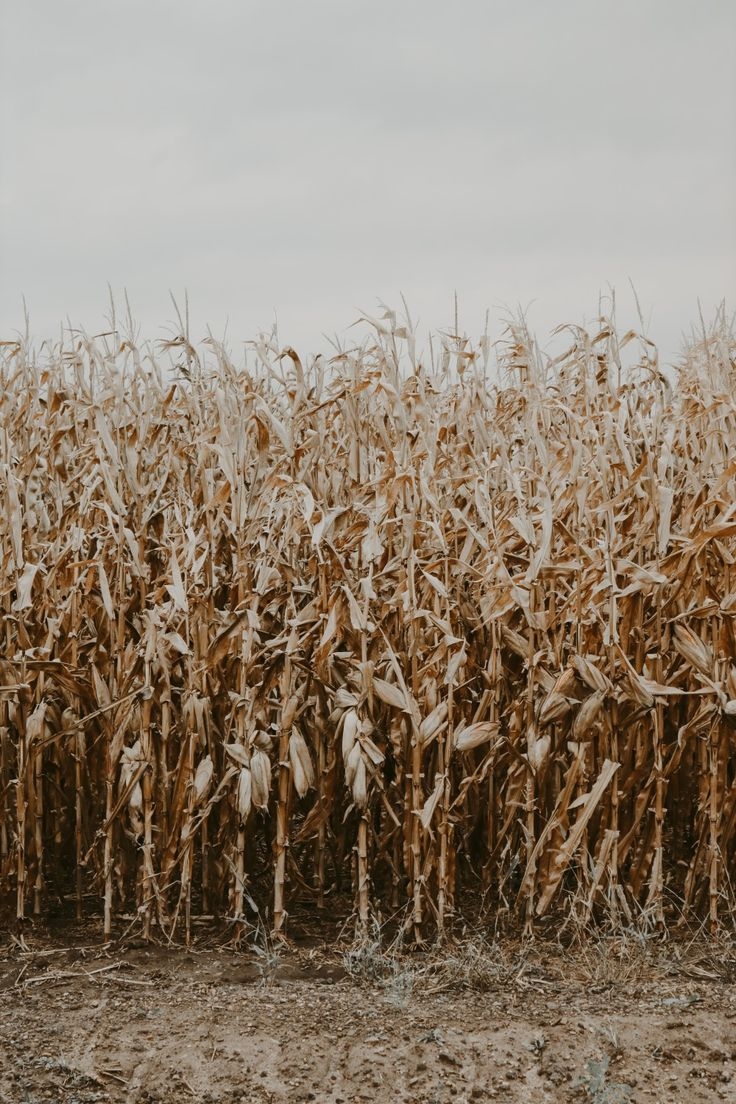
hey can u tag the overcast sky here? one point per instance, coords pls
(302, 160)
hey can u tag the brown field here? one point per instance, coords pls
(619, 1020)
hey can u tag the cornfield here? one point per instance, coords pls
(428, 633)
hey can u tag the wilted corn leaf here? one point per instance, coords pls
(659, 689)
(589, 803)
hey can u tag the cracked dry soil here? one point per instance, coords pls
(153, 1026)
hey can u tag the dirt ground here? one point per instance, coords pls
(520, 1022)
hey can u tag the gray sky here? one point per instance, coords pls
(307, 159)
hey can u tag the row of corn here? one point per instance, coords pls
(440, 634)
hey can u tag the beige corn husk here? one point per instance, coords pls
(35, 723)
(238, 754)
(203, 779)
(301, 763)
(69, 719)
(371, 751)
(360, 784)
(345, 699)
(517, 643)
(260, 768)
(427, 812)
(135, 809)
(587, 715)
(731, 682)
(554, 707)
(390, 694)
(588, 673)
(693, 649)
(290, 711)
(566, 683)
(538, 750)
(351, 765)
(472, 736)
(244, 793)
(638, 690)
(350, 728)
(456, 665)
(433, 724)
(130, 759)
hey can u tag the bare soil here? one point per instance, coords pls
(527, 1022)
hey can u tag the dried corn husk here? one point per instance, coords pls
(472, 736)
(260, 768)
(360, 784)
(432, 725)
(538, 749)
(427, 812)
(371, 751)
(695, 651)
(135, 809)
(203, 779)
(587, 715)
(587, 671)
(290, 711)
(350, 728)
(301, 763)
(244, 793)
(351, 765)
(390, 694)
(554, 707)
(36, 722)
(238, 754)
(345, 699)
(516, 643)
